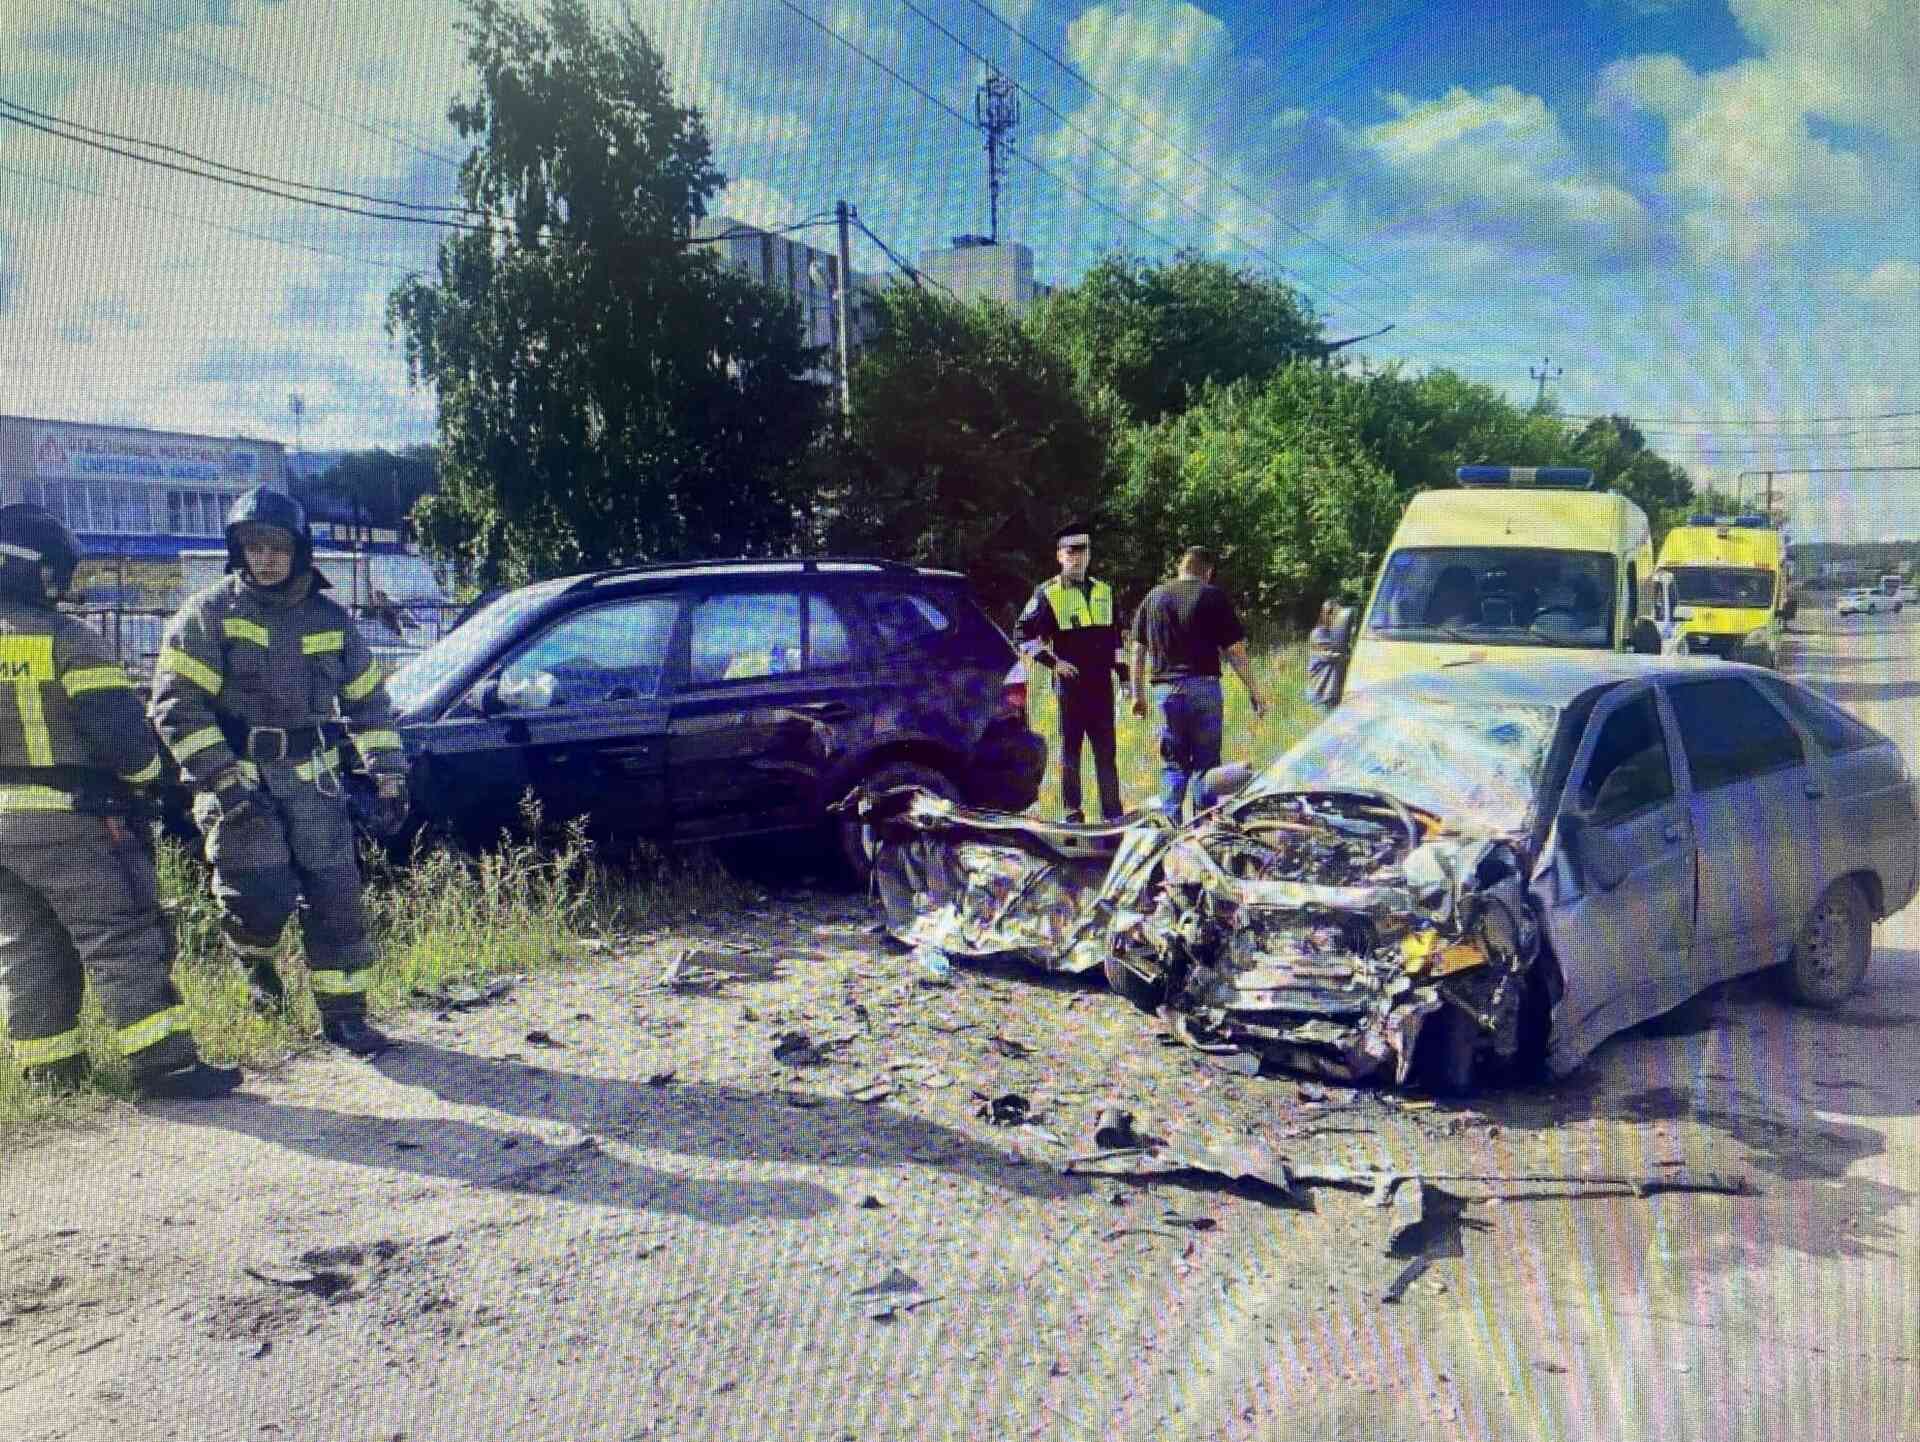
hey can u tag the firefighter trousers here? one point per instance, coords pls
(79, 900)
(294, 851)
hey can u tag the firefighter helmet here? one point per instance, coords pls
(31, 537)
(264, 506)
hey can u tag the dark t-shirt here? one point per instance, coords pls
(1185, 625)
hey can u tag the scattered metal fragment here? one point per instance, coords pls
(1009, 1109)
(541, 1038)
(1195, 1224)
(870, 1203)
(662, 1078)
(1008, 1047)
(1248, 1162)
(796, 1048)
(464, 995)
(877, 1090)
(1113, 1129)
(1409, 1213)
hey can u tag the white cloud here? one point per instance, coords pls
(1891, 280)
(1500, 158)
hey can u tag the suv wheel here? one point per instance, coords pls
(856, 840)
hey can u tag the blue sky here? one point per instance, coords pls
(1700, 210)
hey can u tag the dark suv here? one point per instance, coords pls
(707, 701)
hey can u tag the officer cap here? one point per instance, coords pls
(1078, 531)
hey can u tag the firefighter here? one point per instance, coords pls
(78, 894)
(1068, 626)
(261, 678)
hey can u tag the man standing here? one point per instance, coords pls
(252, 674)
(1183, 628)
(78, 894)
(1068, 626)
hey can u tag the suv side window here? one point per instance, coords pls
(905, 618)
(1731, 732)
(1832, 727)
(829, 644)
(616, 652)
(744, 636)
(1628, 770)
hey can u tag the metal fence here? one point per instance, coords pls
(395, 632)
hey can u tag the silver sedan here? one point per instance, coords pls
(1474, 864)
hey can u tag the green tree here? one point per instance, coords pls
(970, 444)
(1154, 336)
(606, 392)
(1292, 502)
(380, 486)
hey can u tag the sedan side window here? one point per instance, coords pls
(1628, 770)
(610, 653)
(1832, 727)
(1731, 732)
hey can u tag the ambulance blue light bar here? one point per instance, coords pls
(1571, 478)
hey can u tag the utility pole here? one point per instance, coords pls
(299, 409)
(996, 110)
(843, 309)
(1543, 375)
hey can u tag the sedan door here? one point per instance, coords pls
(1752, 806)
(773, 701)
(1623, 948)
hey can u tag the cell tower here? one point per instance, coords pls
(996, 110)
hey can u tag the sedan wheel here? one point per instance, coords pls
(1830, 956)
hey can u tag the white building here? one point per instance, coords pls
(809, 275)
(976, 268)
(129, 491)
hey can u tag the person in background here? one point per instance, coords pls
(1180, 632)
(79, 896)
(1068, 626)
(1327, 655)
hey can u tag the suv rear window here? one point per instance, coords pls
(905, 618)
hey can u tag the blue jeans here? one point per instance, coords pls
(1190, 714)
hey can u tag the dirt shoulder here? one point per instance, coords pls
(602, 1208)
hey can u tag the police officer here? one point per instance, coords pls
(1068, 626)
(260, 679)
(78, 893)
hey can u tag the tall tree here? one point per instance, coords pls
(606, 392)
(1156, 336)
(381, 486)
(970, 444)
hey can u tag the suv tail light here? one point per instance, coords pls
(1013, 691)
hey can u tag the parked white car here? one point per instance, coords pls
(1866, 603)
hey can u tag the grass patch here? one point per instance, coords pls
(445, 916)
(1282, 673)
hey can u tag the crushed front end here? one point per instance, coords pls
(1326, 929)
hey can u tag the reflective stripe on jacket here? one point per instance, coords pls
(253, 660)
(65, 702)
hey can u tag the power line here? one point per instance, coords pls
(135, 25)
(443, 223)
(933, 99)
(210, 224)
(1741, 423)
(916, 276)
(380, 200)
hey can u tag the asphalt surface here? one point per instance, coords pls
(603, 1208)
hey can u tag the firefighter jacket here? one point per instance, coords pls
(238, 666)
(1074, 623)
(73, 736)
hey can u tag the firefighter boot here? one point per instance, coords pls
(195, 1082)
(350, 1031)
(60, 1078)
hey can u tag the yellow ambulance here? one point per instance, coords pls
(1517, 558)
(1721, 588)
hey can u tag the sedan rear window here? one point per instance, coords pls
(1832, 727)
(1731, 733)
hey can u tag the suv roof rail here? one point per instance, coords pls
(772, 564)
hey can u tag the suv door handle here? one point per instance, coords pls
(825, 710)
(1671, 833)
(1815, 790)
